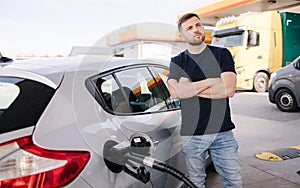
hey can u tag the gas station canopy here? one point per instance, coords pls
(210, 14)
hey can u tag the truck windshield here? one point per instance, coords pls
(229, 40)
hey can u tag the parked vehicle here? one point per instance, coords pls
(261, 43)
(60, 118)
(284, 89)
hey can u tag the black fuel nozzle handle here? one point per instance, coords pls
(138, 145)
(115, 161)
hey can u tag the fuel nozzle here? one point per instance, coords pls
(117, 156)
(132, 157)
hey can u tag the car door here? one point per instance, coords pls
(135, 100)
(139, 98)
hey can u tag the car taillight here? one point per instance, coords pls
(23, 164)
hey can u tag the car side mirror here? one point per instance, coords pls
(253, 38)
(297, 64)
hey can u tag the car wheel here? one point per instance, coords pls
(261, 81)
(285, 100)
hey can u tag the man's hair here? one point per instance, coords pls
(185, 17)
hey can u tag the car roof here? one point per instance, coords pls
(51, 70)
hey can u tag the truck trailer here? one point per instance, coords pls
(261, 43)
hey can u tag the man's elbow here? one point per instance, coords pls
(230, 92)
(172, 90)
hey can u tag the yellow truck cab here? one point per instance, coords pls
(260, 43)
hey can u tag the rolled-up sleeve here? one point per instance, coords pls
(175, 69)
(227, 62)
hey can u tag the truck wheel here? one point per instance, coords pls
(261, 82)
(285, 100)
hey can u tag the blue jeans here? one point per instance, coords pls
(223, 150)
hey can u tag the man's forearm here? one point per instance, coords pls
(215, 92)
(205, 84)
(223, 88)
(183, 88)
(186, 89)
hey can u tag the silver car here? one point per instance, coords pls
(284, 88)
(62, 119)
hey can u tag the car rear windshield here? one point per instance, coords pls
(22, 102)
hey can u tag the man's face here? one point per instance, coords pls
(192, 31)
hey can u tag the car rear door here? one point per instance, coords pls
(139, 98)
(138, 101)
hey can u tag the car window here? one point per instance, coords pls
(143, 92)
(297, 63)
(135, 90)
(113, 95)
(161, 76)
(8, 93)
(22, 102)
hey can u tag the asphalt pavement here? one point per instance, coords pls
(258, 133)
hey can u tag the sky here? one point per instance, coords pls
(52, 27)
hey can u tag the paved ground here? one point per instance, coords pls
(253, 177)
(257, 135)
(260, 126)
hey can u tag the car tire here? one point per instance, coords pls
(285, 100)
(261, 82)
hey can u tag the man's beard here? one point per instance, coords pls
(196, 43)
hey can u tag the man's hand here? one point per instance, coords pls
(185, 88)
(221, 88)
